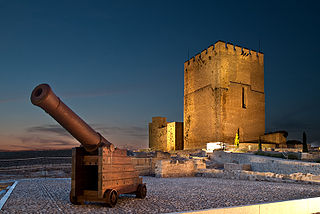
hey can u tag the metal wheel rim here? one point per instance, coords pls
(113, 197)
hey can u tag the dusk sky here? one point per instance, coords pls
(119, 63)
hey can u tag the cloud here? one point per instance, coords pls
(130, 137)
(52, 142)
(36, 142)
(57, 137)
(133, 131)
(55, 129)
(46, 137)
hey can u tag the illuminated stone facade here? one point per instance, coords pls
(280, 138)
(165, 136)
(174, 136)
(223, 95)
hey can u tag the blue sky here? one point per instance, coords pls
(119, 63)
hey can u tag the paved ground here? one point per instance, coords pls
(164, 195)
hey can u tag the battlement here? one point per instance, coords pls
(226, 47)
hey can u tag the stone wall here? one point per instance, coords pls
(158, 133)
(255, 146)
(165, 136)
(143, 165)
(175, 168)
(267, 164)
(223, 93)
(310, 156)
(174, 136)
(259, 176)
(277, 137)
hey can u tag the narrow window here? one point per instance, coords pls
(243, 99)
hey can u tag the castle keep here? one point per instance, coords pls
(223, 95)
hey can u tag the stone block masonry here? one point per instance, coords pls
(223, 95)
(303, 178)
(165, 136)
(233, 166)
(175, 168)
(168, 168)
(267, 164)
(158, 133)
(174, 136)
(146, 166)
(143, 165)
(276, 137)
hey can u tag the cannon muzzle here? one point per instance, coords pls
(43, 96)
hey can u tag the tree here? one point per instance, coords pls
(260, 145)
(236, 141)
(304, 143)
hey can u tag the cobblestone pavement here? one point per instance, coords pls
(164, 195)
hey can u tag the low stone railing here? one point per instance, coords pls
(267, 164)
(178, 168)
(259, 176)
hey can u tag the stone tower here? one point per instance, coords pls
(223, 95)
(165, 136)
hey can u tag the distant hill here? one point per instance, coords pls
(34, 154)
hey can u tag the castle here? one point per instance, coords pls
(223, 96)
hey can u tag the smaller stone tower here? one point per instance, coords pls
(165, 136)
(158, 133)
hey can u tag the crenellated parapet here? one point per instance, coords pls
(221, 47)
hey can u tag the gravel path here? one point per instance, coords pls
(164, 195)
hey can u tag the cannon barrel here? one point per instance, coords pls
(43, 96)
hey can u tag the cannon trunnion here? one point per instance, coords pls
(100, 172)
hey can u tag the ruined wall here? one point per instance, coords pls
(223, 92)
(168, 168)
(255, 146)
(277, 137)
(143, 165)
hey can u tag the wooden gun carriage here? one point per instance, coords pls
(100, 172)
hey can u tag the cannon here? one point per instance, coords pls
(100, 172)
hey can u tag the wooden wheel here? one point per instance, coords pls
(141, 191)
(111, 197)
(73, 200)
